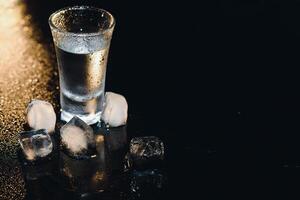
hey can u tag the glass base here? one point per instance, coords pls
(89, 119)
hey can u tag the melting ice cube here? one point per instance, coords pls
(115, 109)
(41, 115)
(146, 150)
(77, 138)
(35, 144)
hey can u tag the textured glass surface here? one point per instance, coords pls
(82, 37)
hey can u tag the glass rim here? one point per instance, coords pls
(54, 27)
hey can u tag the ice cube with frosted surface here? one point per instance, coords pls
(35, 144)
(77, 138)
(115, 109)
(41, 115)
(146, 150)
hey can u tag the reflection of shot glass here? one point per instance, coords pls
(82, 37)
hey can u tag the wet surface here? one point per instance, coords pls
(217, 83)
(27, 72)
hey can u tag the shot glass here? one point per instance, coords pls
(82, 36)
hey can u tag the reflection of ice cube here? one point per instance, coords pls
(35, 144)
(37, 172)
(116, 138)
(147, 183)
(100, 146)
(77, 137)
(83, 176)
(116, 142)
(41, 115)
(127, 163)
(146, 149)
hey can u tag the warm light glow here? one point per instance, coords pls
(99, 175)
(15, 35)
(99, 138)
(26, 68)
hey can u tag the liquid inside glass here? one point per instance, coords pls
(82, 38)
(82, 80)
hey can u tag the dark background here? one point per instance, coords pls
(217, 81)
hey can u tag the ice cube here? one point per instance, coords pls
(115, 109)
(35, 144)
(77, 138)
(146, 150)
(41, 115)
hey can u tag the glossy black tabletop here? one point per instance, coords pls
(217, 81)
